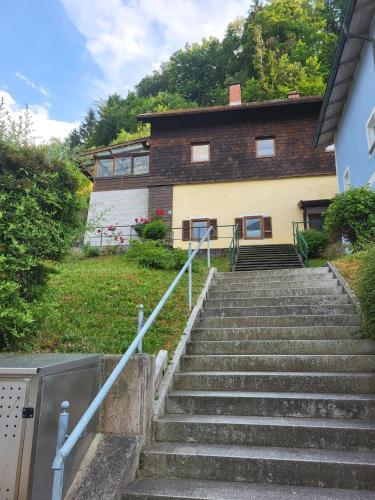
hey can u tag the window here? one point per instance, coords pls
(265, 148)
(198, 228)
(200, 152)
(253, 228)
(370, 126)
(140, 165)
(123, 166)
(346, 179)
(105, 168)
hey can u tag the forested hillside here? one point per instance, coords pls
(281, 45)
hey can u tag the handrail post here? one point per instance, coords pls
(209, 250)
(190, 279)
(58, 476)
(140, 324)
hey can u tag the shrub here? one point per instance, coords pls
(151, 254)
(334, 251)
(351, 215)
(154, 254)
(155, 230)
(40, 216)
(316, 240)
(366, 292)
(90, 251)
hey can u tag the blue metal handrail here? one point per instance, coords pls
(65, 443)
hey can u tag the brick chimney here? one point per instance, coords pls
(293, 95)
(234, 94)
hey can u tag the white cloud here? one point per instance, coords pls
(44, 127)
(128, 39)
(42, 90)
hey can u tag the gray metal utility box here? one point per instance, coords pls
(32, 387)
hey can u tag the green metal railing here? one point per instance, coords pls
(233, 247)
(299, 242)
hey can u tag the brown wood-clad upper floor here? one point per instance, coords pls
(263, 140)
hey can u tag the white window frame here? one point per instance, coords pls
(370, 132)
(346, 179)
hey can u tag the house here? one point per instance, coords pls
(250, 164)
(347, 118)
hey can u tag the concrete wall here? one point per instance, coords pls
(351, 139)
(119, 207)
(225, 201)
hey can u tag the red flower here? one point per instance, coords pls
(122, 240)
(112, 227)
(98, 230)
(160, 212)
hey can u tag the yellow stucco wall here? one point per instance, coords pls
(224, 201)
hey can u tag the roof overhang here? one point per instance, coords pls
(354, 34)
(238, 109)
(114, 149)
(313, 203)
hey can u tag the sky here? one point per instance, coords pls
(60, 56)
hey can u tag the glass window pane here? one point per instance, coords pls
(253, 228)
(123, 166)
(141, 164)
(266, 147)
(199, 227)
(105, 168)
(200, 152)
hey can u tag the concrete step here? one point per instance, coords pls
(289, 347)
(272, 404)
(266, 266)
(264, 285)
(283, 272)
(306, 300)
(313, 320)
(189, 489)
(332, 469)
(248, 292)
(317, 382)
(274, 333)
(243, 280)
(283, 310)
(289, 432)
(281, 363)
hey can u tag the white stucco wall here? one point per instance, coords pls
(120, 207)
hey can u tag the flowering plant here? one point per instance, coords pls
(141, 222)
(113, 234)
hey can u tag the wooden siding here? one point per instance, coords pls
(121, 182)
(161, 197)
(233, 146)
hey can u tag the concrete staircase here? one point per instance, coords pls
(258, 257)
(274, 399)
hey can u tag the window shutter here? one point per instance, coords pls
(213, 234)
(239, 223)
(185, 230)
(267, 225)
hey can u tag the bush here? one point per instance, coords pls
(352, 215)
(316, 240)
(155, 230)
(40, 216)
(366, 292)
(154, 254)
(90, 251)
(334, 251)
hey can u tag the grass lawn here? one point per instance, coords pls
(91, 305)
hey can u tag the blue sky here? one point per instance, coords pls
(59, 56)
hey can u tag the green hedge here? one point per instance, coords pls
(316, 241)
(40, 214)
(366, 292)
